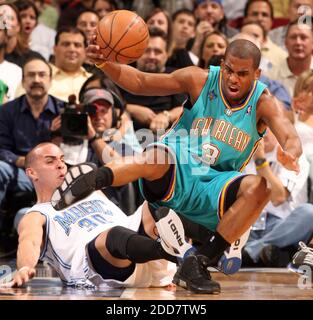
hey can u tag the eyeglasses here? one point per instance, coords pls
(32, 75)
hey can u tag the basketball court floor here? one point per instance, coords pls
(247, 284)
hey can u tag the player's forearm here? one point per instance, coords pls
(128, 78)
(27, 254)
(293, 145)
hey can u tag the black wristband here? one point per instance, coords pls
(259, 161)
(104, 177)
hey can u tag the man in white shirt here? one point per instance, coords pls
(296, 9)
(299, 44)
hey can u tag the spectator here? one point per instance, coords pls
(102, 7)
(42, 37)
(87, 22)
(278, 35)
(211, 16)
(102, 123)
(261, 11)
(49, 13)
(70, 54)
(125, 134)
(287, 222)
(10, 18)
(183, 30)
(69, 15)
(10, 73)
(256, 30)
(37, 37)
(299, 44)
(25, 122)
(302, 103)
(211, 13)
(17, 51)
(29, 18)
(214, 44)
(150, 111)
(160, 19)
(304, 118)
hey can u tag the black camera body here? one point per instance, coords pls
(74, 119)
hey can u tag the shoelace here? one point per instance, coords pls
(309, 253)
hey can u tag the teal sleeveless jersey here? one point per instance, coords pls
(215, 134)
(211, 143)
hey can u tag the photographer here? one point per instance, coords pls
(25, 122)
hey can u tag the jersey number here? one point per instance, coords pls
(210, 153)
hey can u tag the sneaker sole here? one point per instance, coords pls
(229, 265)
(296, 270)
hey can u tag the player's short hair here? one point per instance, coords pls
(31, 156)
(244, 49)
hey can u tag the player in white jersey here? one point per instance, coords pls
(90, 243)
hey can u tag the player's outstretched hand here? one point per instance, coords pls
(93, 52)
(22, 276)
(289, 161)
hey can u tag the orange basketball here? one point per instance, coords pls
(122, 36)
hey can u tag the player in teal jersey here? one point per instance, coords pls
(224, 118)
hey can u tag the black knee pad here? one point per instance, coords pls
(116, 241)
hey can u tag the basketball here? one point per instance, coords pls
(122, 36)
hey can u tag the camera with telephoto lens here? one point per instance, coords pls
(74, 119)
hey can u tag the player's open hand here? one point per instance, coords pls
(22, 276)
(93, 52)
(289, 161)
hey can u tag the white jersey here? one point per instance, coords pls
(69, 231)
